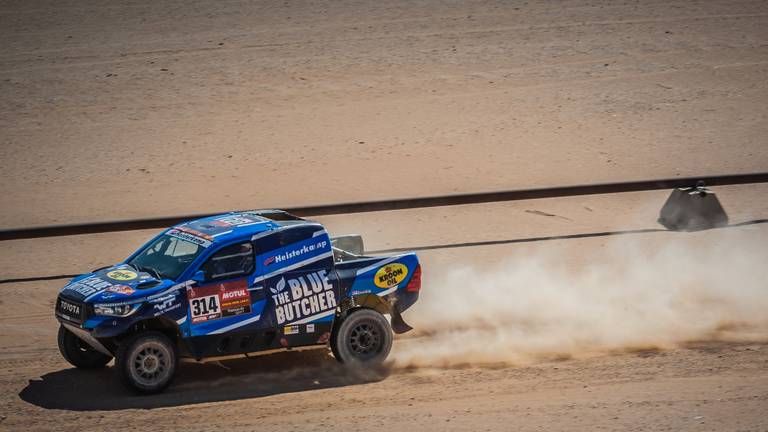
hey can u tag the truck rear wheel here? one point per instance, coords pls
(78, 353)
(364, 337)
(147, 362)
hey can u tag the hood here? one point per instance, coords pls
(113, 284)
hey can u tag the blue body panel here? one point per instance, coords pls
(295, 285)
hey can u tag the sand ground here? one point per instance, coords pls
(126, 109)
(696, 385)
(145, 108)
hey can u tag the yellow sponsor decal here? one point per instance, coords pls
(390, 275)
(122, 275)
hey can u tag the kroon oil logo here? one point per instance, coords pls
(390, 275)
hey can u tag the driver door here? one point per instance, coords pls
(223, 301)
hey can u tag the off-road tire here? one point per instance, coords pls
(364, 338)
(146, 362)
(78, 353)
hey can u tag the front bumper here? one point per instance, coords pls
(86, 337)
(91, 327)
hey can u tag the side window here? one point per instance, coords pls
(301, 243)
(229, 262)
(292, 236)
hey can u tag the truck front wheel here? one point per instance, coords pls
(364, 337)
(78, 353)
(147, 362)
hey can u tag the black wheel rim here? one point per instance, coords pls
(365, 340)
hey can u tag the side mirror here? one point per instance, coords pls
(199, 276)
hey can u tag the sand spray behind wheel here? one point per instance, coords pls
(624, 292)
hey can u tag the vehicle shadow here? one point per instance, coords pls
(87, 390)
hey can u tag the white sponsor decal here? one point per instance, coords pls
(285, 256)
(236, 220)
(88, 286)
(161, 311)
(205, 308)
(165, 304)
(303, 296)
(231, 294)
(69, 307)
(189, 237)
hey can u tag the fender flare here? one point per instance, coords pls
(377, 303)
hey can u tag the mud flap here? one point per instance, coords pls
(398, 324)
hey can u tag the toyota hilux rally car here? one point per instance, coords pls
(232, 285)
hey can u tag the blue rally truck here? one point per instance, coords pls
(233, 285)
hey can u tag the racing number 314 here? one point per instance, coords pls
(205, 305)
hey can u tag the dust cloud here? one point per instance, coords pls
(655, 292)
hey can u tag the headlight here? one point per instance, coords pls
(121, 310)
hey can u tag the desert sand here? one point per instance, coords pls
(118, 110)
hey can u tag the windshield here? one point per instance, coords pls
(167, 257)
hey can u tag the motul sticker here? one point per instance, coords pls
(210, 302)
